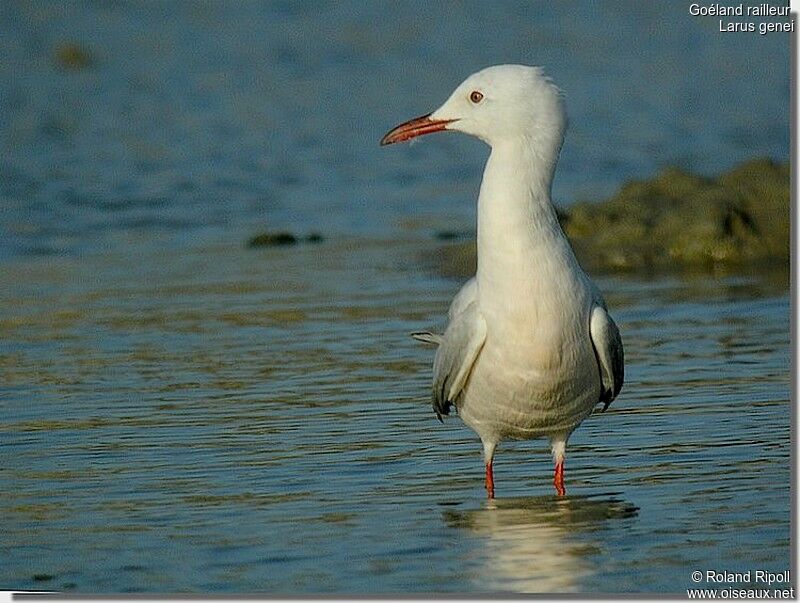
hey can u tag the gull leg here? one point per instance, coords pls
(488, 456)
(559, 448)
(558, 479)
(489, 480)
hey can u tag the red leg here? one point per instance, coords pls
(489, 480)
(558, 478)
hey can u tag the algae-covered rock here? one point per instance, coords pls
(675, 219)
(680, 218)
(280, 238)
(70, 55)
(272, 239)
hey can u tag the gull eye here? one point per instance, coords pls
(475, 97)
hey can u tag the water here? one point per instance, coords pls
(258, 421)
(179, 413)
(209, 119)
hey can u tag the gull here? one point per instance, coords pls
(530, 348)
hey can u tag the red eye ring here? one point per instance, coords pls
(475, 97)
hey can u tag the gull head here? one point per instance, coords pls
(501, 103)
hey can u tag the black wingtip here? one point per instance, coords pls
(441, 409)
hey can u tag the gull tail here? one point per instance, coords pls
(427, 337)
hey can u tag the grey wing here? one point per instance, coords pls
(610, 355)
(463, 299)
(458, 350)
(466, 296)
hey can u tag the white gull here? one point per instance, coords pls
(530, 348)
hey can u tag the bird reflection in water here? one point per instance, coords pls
(534, 544)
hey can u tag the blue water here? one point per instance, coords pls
(180, 413)
(211, 118)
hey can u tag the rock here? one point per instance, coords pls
(272, 239)
(678, 218)
(675, 219)
(280, 238)
(71, 55)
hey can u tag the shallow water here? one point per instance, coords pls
(231, 420)
(179, 413)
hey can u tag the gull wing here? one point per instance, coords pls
(465, 297)
(458, 348)
(608, 350)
